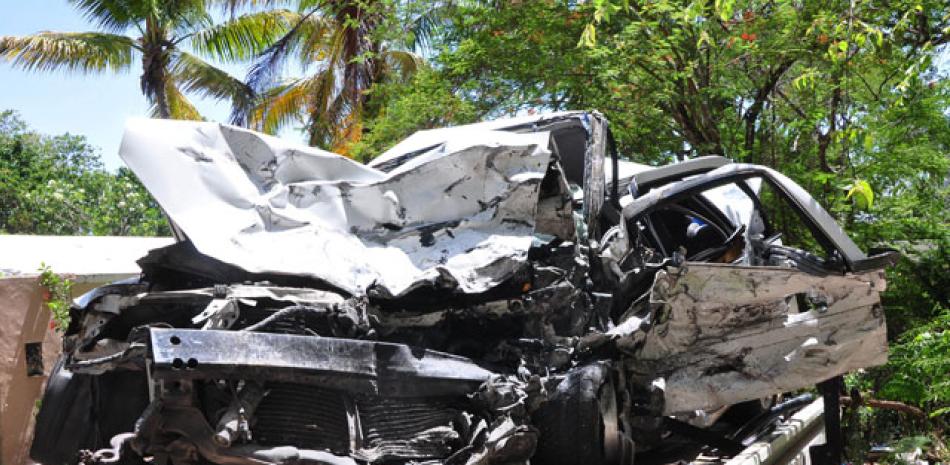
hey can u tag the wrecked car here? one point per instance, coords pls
(499, 293)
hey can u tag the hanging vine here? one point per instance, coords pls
(58, 295)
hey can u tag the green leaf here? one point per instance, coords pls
(862, 193)
(843, 45)
(603, 9)
(60, 295)
(588, 37)
(704, 39)
(725, 8)
(940, 412)
(806, 80)
(868, 142)
(833, 52)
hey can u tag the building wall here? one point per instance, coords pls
(25, 319)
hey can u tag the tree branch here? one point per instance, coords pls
(791, 104)
(752, 114)
(886, 405)
(824, 140)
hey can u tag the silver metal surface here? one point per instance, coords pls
(462, 218)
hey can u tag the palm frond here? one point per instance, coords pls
(318, 36)
(185, 17)
(233, 6)
(335, 37)
(424, 25)
(178, 104)
(246, 36)
(112, 15)
(280, 106)
(72, 51)
(269, 65)
(328, 107)
(304, 5)
(193, 75)
(348, 132)
(401, 64)
(323, 92)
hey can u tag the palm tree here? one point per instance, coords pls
(160, 29)
(339, 47)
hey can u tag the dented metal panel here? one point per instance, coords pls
(462, 220)
(724, 334)
(430, 141)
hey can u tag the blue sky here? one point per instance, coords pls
(94, 105)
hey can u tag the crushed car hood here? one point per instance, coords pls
(460, 217)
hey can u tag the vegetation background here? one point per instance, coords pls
(849, 98)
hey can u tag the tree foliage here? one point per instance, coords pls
(343, 47)
(427, 101)
(57, 185)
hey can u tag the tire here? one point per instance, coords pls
(84, 412)
(572, 427)
(64, 424)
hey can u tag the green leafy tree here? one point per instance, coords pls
(57, 185)
(159, 33)
(427, 101)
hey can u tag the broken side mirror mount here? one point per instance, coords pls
(880, 260)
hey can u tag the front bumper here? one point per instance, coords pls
(356, 366)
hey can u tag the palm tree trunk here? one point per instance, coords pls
(153, 82)
(155, 67)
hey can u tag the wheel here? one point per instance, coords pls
(578, 425)
(84, 412)
(64, 420)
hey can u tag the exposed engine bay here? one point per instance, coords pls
(500, 293)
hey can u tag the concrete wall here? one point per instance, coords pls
(25, 320)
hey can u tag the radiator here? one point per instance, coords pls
(369, 428)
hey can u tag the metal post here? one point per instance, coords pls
(832, 452)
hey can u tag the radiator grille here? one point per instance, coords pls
(407, 429)
(309, 417)
(302, 416)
